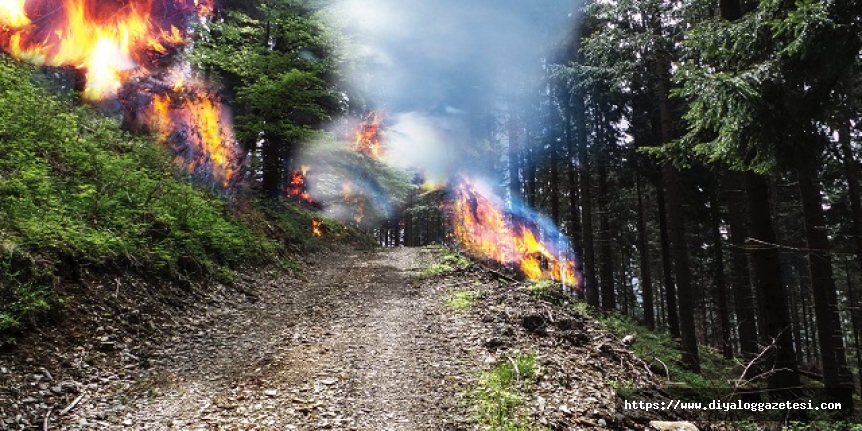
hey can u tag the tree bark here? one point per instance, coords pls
(671, 313)
(643, 249)
(768, 283)
(743, 296)
(832, 350)
(590, 286)
(720, 283)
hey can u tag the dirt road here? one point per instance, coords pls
(355, 345)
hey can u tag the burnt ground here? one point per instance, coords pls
(358, 341)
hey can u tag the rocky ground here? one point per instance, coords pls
(359, 341)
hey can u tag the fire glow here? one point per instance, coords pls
(107, 40)
(511, 238)
(354, 199)
(122, 48)
(368, 139)
(297, 188)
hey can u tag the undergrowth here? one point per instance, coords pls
(78, 194)
(499, 392)
(462, 300)
(449, 261)
(663, 355)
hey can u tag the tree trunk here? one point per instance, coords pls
(743, 297)
(671, 312)
(720, 284)
(850, 171)
(554, 182)
(514, 156)
(643, 249)
(676, 227)
(606, 265)
(272, 169)
(835, 372)
(575, 227)
(681, 269)
(767, 281)
(590, 287)
(855, 321)
(554, 185)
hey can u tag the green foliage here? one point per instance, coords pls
(659, 350)
(450, 261)
(462, 300)
(290, 224)
(757, 86)
(499, 392)
(541, 287)
(279, 62)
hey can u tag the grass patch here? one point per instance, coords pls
(541, 288)
(462, 300)
(449, 261)
(496, 399)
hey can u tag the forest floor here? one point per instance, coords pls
(360, 340)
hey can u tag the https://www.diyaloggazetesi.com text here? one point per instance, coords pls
(729, 406)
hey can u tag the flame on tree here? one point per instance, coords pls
(123, 49)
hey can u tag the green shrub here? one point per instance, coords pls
(496, 399)
(462, 300)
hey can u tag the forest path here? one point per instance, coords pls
(354, 345)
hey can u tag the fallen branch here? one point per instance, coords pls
(72, 405)
(666, 370)
(45, 422)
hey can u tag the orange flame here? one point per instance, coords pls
(105, 39)
(368, 140)
(484, 229)
(198, 127)
(297, 187)
(112, 41)
(317, 227)
(354, 200)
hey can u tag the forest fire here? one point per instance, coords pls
(516, 238)
(355, 200)
(317, 227)
(106, 40)
(368, 139)
(197, 127)
(297, 188)
(123, 48)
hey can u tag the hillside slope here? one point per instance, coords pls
(80, 199)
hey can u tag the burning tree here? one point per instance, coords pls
(519, 238)
(123, 50)
(368, 139)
